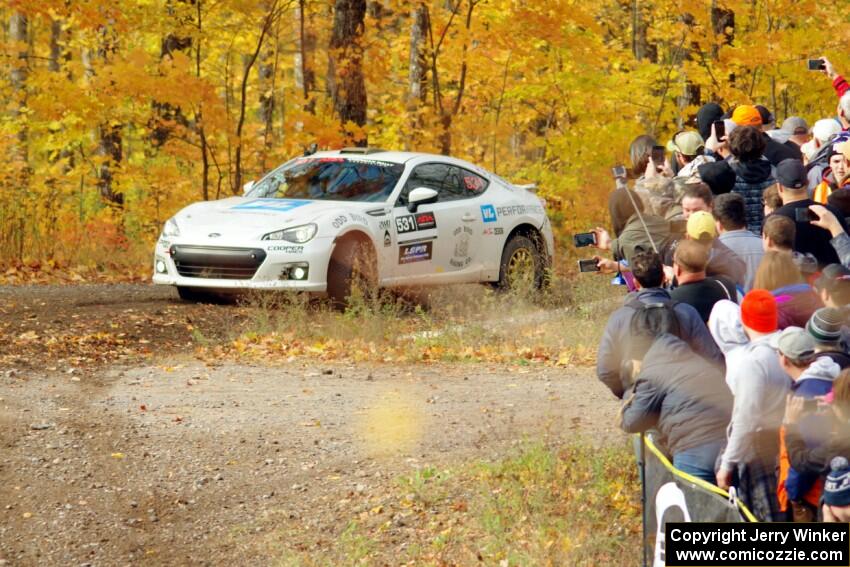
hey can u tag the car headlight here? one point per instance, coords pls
(171, 228)
(297, 234)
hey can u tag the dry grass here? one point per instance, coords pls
(570, 505)
(470, 323)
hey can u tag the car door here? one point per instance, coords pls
(440, 241)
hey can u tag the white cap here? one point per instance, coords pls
(825, 129)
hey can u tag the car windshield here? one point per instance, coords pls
(330, 179)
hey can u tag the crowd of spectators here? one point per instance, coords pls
(733, 348)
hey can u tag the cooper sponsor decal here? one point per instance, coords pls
(488, 213)
(514, 210)
(276, 205)
(339, 221)
(287, 249)
(412, 223)
(419, 252)
(461, 257)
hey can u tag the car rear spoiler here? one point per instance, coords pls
(532, 187)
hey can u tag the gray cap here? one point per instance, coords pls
(795, 125)
(795, 343)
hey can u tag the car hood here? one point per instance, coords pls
(246, 217)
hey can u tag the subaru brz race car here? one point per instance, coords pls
(318, 223)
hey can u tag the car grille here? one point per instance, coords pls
(217, 263)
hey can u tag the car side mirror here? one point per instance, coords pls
(248, 186)
(420, 196)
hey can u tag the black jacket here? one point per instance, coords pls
(775, 151)
(811, 239)
(682, 395)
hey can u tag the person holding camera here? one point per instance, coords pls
(811, 377)
(810, 238)
(808, 458)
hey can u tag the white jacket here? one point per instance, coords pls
(759, 386)
(725, 325)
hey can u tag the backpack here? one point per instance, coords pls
(648, 321)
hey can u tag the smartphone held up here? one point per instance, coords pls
(591, 265)
(817, 65)
(583, 239)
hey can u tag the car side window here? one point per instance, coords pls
(449, 181)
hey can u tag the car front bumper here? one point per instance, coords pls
(254, 265)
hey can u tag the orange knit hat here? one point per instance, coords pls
(759, 311)
(746, 115)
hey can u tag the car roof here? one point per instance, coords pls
(384, 155)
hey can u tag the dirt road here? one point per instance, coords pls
(147, 455)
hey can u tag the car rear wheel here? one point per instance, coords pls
(522, 268)
(352, 272)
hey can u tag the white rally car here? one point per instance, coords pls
(317, 222)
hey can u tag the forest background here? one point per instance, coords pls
(117, 114)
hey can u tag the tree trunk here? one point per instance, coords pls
(417, 77)
(267, 72)
(248, 63)
(305, 77)
(346, 83)
(165, 115)
(18, 34)
(109, 134)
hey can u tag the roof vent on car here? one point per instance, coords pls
(361, 151)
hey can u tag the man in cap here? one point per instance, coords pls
(687, 148)
(823, 132)
(837, 175)
(796, 129)
(811, 378)
(759, 386)
(809, 239)
(775, 152)
(827, 327)
(702, 228)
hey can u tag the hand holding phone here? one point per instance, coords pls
(591, 265)
(817, 65)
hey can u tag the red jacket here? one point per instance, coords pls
(840, 85)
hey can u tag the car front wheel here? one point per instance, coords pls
(352, 270)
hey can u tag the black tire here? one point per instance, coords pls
(353, 266)
(522, 268)
(194, 294)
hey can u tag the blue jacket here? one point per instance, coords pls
(614, 346)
